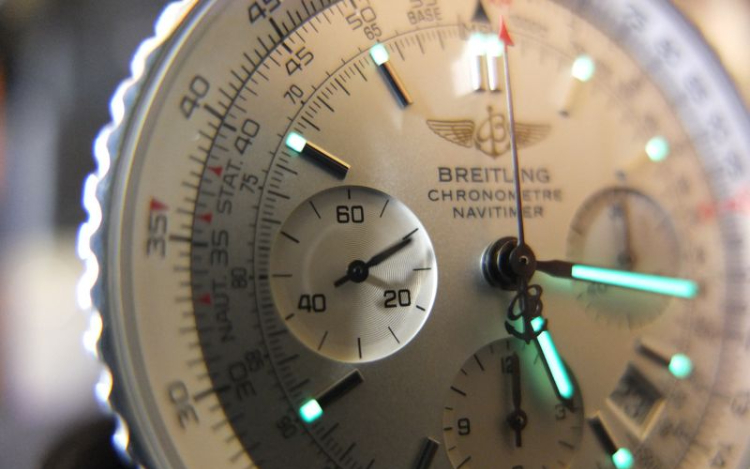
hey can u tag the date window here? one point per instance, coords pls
(636, 398)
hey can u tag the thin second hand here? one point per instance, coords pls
(560, 378)
(507, 41)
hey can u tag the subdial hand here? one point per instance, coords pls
(626, 258)
(517, 419)
(669, 286)
(358, 271)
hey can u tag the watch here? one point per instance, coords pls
(423, 234)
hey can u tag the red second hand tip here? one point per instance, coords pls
(504, 34)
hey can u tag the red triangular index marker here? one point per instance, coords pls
(205, 299)
(504, 34)
(157, 206)
(217, 170)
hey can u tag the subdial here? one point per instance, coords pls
(624, 229)
(353, 274)
(501, 407)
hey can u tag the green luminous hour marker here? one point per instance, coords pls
(657, 149)
(676, 287)
(557, 369)
(583, 68)
(495, 49)
(477, 44)
(485, 51)
(478, 48)
(296, 142)
(382, 59)
(493, 46)
(623, 459)
(323, 158)
(681, 366)
(581, 72)
(311, 411)
(379, 54)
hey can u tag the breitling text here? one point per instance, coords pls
(491, 175)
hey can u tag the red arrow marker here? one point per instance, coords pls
(504, 34)
(217, 170)
(208, 217)
(157, 206)
(740, 203)
(706, 211)
(205, 299)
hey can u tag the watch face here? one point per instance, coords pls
(425, 234)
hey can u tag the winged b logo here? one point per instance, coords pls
(491, 136)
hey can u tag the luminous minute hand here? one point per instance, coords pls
(668, 286)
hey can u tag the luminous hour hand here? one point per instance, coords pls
(669, 286)
(553, 363)
(535, 329)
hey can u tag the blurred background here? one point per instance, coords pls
(59, 62)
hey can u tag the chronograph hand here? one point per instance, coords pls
(507, 42)
(669, 286)
(521, 258)
(522, 263)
